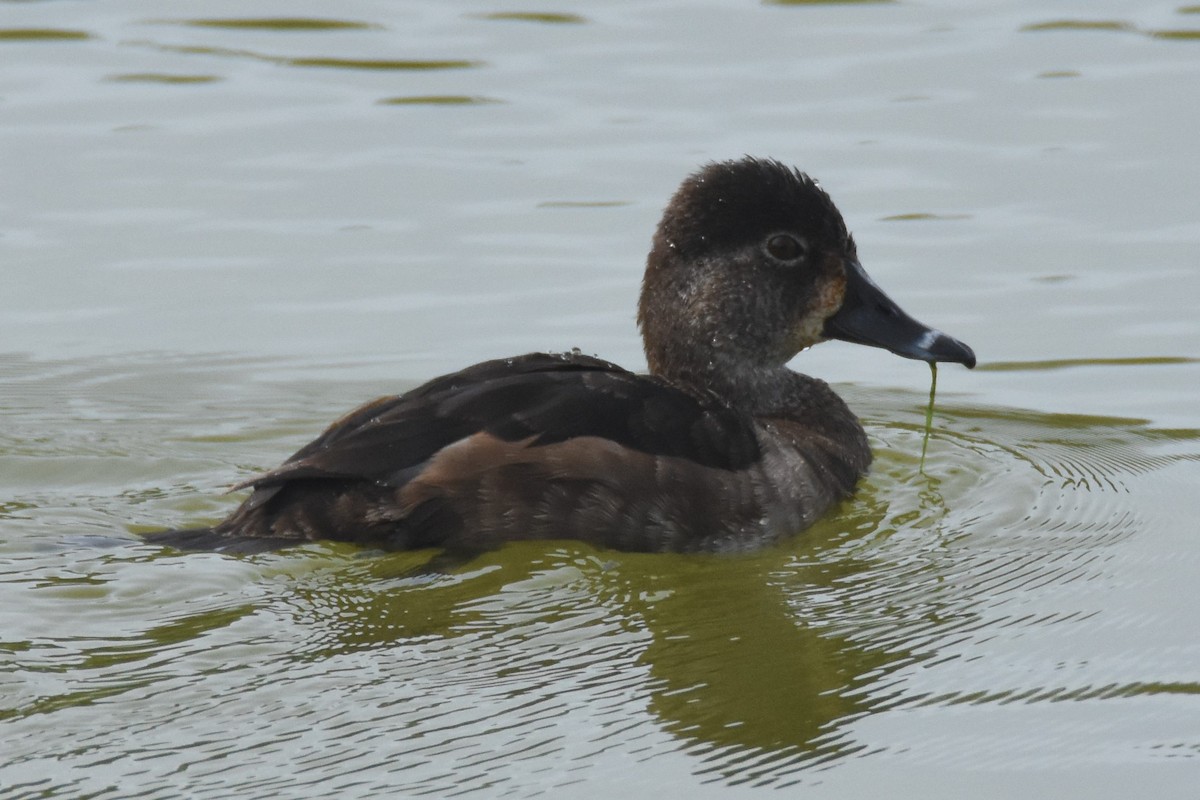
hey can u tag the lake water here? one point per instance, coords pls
(224, 224)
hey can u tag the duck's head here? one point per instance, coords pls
(751, 264)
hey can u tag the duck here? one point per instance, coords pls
(719, 447)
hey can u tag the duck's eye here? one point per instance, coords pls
(785, 247)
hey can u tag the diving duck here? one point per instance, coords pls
(720, 447)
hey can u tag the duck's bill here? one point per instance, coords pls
(870, 317)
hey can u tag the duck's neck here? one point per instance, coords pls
(758, 389)
(769, 391)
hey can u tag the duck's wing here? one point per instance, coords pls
(540, 399)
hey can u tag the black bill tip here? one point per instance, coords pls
(933, 345)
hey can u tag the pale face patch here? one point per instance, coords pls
(810, 328)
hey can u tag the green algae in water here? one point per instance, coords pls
(929, 413)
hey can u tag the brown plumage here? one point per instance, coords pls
(721, 447)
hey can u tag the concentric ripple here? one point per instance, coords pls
(985, 582)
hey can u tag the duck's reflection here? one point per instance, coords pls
(725, 653)
(750, 677)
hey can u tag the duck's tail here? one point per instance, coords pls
(214, 540)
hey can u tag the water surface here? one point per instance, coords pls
(222, 227)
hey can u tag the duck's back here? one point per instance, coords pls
(550, 446)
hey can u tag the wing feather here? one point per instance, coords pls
(542, 397)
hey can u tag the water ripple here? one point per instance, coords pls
(328, 62)
(983, 583)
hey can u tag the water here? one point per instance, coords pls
(217, 238)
